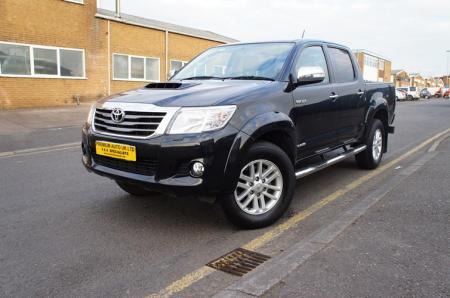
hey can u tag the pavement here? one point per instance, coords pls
(394, 243)
(68, 233)
(398, 248)
(30, 128)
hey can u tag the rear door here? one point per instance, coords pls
(311, 112)
(348, 101)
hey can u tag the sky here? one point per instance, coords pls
(413, 34)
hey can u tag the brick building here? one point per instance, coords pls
(400, 78)
(417, 80)
(55, 52)
(374, 67)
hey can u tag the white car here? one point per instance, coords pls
(412, 92)
(400, 95)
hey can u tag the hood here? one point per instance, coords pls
(185, 94)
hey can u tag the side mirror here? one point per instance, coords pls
(310, 75)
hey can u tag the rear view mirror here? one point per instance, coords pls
(310, 75)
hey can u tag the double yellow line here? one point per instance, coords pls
(202, 272)
(33, 151)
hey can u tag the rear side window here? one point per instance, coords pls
(412, 89)
(343, 67)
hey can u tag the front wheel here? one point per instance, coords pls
(264, 190)
(371, 157)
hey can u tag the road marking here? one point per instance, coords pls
(38, 150)
(437, 142)
(202, 272)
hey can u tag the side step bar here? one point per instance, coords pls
(319, 166)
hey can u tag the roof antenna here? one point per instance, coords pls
(303, 34)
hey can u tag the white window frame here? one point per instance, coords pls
(58, 62)
(183, 63)
(129, 68)
(81, 2)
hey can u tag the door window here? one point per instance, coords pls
(312, 56)
(343, 66)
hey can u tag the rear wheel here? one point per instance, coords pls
(371, 157)
(264, 190)
(134, 189)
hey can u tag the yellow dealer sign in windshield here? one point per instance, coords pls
(114, 150)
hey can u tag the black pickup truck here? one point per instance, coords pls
(241, 123)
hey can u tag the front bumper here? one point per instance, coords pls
(163, 163)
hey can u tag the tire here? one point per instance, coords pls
(409, 97)
(269, 156)
(371, 157)
(134, 189)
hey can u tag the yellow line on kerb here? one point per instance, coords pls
(202, 272)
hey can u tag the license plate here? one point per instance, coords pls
(115, 150)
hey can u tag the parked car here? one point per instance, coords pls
(447, 93)
(424, 93)
(439, 93)
(400, 94)
(433, 90)
(278, 112)
(412, 92)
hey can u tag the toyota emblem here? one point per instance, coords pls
(117, 115)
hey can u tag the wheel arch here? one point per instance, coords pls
(378, 110)
(273, 127)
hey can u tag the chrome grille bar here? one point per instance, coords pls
(141, 121)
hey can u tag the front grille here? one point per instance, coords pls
(143, 167)
(134, 124)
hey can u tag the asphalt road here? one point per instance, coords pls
(65, 232)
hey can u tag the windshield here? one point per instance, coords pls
(243, 61)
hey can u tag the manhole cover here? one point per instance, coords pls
(238, 262)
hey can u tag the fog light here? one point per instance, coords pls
(197, 169)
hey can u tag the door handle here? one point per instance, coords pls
(334, 96)
(360, 92)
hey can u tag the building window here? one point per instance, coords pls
(135, 68)
(45, 61)
(22, 60)
(381, 64)
(14, 59)
(75, 1)
(373, 62)
(70, 65)
(176, 65)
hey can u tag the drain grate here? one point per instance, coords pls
(238, 262)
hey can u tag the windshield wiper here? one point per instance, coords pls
(202, 78)
(250, 78)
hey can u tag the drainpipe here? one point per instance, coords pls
(167, 55)
(118, 8)
(108, 39)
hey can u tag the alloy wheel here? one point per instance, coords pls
(259, 187)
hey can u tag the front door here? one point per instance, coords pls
(311, 113)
